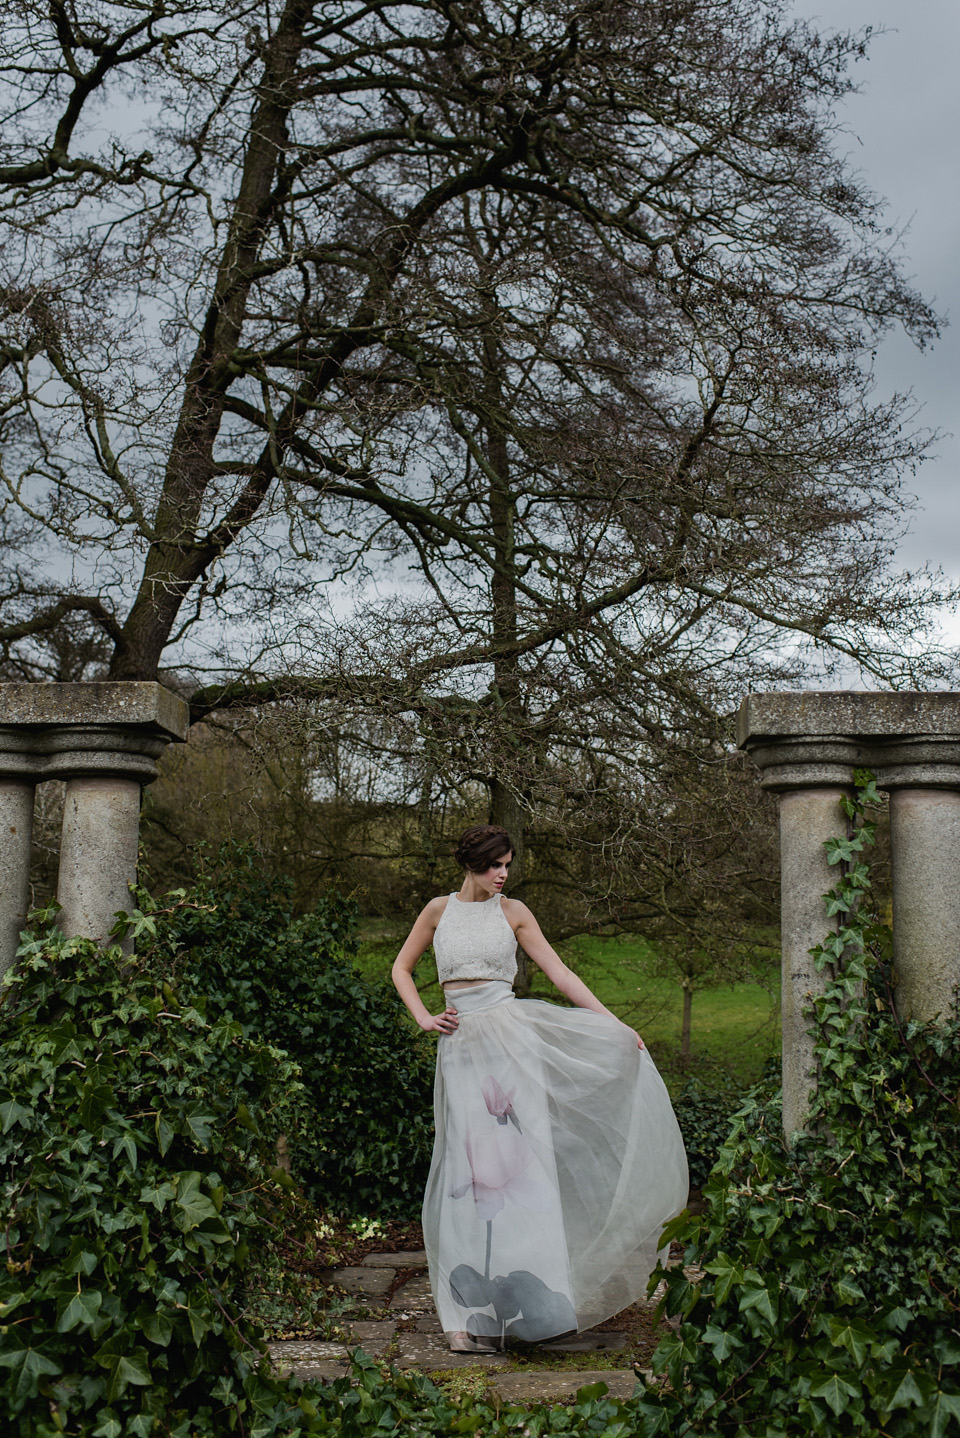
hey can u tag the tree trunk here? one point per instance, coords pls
(685, 1024)
(507, 803)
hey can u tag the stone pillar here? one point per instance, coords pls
(925, 837)
(98, 853)
(104, 740)
(808, 818)
(807, 746)
(16, 832)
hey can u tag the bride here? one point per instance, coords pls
(557, 1157)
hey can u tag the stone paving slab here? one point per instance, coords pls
(307, 1358)
(374, 1337)
(369, 1282)
(428, 1352)
(324, 1370)
(535, 1387)
(413, 1297)
(407, 1258)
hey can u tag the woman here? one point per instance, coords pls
(557, 1157)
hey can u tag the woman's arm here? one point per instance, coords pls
(530, 937)
(415, 945)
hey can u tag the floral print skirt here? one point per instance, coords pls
(556, 1164)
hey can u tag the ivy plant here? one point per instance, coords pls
(134, 1184)
(828, 1295)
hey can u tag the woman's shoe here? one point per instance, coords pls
(472, 1343)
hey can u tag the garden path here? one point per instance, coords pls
(407, 1333)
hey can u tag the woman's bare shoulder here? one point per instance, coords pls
(433, 909)
(515, 911)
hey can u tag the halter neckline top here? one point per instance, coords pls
(474, 941)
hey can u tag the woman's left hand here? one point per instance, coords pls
(640, 1043)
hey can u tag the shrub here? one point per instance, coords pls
(831, 1269)
(131, 1190)
(705, 1116)
(362, 1132)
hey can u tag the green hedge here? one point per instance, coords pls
(362, 1134)
(705, 1116)
(133, 1187)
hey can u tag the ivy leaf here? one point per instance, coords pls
(27, 1366)
(195, 1208)
(906, 1394)
(12, 1112)
(722, 1341)
(158, 1194)
(847, 1290)
(124, 1369)
(837, 1392)
(944, 1407)
(109, 1427)
(156, 1326)
(165, 1134)
(96, 1099)
(81, 1311)
(759, 1299)
(126, 1144)
(200, 1122)
(852, 1335)
(674, 1353)
(200, 1323)
(728, 1273)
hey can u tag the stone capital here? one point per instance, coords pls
(72, 731)
(813, 739)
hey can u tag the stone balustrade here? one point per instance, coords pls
(103, 739)
(807, 746)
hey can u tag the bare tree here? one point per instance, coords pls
(501, 374)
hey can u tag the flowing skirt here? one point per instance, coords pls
(557, 1162)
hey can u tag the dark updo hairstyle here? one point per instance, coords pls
(482, 845)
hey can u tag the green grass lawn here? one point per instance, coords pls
(735, 1028)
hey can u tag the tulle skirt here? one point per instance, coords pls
(557, 1162)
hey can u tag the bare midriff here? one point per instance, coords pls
(453, 985)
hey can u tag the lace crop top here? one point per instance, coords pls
(474, 941)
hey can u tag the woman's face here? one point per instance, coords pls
(493, 879)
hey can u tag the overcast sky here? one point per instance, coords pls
(904, 128)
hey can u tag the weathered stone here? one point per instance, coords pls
(371, 1282)
(291, 1350)
(807, 746)
(925, 837)
(128, 703)
(429, 1353)
(374, 1336)
(408, 1258)
(104, 739)
(561, 1386)
(808, 817)
(64, 731)
(413, 1296)
(429, 1323)
(817, 738)
(309, 1359)
(318, 1371)
(98, 853)
(16, 831)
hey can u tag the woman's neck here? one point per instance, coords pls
(472, 893)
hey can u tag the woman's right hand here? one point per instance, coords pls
(445, 1023)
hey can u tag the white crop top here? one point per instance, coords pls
(475, 941)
